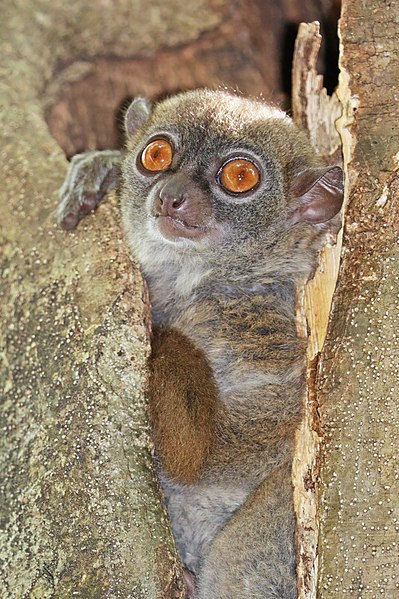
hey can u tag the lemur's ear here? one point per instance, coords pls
(137, 115)
(317, 195)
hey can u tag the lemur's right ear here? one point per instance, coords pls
(137, 115)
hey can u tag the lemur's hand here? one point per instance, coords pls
(90, 177)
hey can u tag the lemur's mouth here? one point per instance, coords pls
(173, 227)
(181, 222)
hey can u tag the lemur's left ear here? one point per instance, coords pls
(137, 115)
(317, 195)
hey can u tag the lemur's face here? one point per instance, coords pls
(184, 200)
(207, 171)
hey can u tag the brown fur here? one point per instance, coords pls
(183, 404)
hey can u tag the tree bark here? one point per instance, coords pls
(346, 466)
(357, 381)
(244, 45)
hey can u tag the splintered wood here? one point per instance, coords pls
(316, 112)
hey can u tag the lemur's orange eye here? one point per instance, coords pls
(239, 175)
(157, 156)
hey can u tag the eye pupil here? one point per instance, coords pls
(239, 175)
(157, 155)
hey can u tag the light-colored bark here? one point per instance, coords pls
(316, 112)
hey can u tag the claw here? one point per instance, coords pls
(89, 202)
(69, 221)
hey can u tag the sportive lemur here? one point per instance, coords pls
(225, 205)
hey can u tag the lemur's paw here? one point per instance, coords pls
(90, 177)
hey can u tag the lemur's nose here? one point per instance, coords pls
(173, 194)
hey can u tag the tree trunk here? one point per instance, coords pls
(357, 382)
(347, 495)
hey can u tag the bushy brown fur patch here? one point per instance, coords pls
(183, 404)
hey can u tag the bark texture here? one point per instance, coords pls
(346, 465)
(357, 382)
(167, 47)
